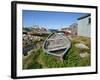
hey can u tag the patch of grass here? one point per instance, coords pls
(30, 62)
(81, 39)
(40, 59)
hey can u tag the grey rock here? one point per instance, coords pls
(81, 46)
(85, 54)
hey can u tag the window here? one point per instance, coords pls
(89, 20)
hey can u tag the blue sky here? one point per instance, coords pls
(48, 19)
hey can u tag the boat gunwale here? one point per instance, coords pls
(58, 55)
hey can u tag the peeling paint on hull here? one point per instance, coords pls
(57, 44)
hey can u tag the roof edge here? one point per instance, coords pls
(82, 17)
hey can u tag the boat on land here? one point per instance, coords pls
(57, 44)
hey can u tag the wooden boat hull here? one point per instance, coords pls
(56, 44)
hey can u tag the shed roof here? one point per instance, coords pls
(82, 17)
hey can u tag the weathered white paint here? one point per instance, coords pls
(84, 27)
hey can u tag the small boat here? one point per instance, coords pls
(56, 44)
